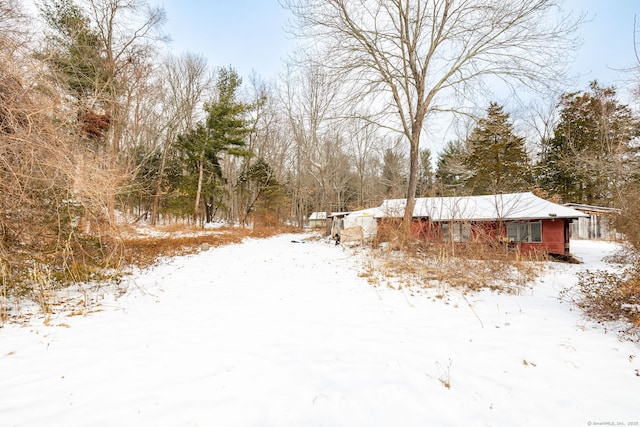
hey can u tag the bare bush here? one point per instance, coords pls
(615, 296)
(462, 266)
(608, 297)
(53, 189)
(627, 221)
(484, 262)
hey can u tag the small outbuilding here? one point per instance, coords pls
(333, 221)
(521, 220)
(337, 222)
(597, 225)
(365, 218)
(318, 220)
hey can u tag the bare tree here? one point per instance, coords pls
(269, 138)
(128, 31)
(364, 144)
(187, 82)
(309, 96)
(409, 58)
(270, 144)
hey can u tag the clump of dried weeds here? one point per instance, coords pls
(611, 297)
(443, 266)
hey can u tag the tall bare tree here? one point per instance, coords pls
(410, 57)
(309, 98)
(363, 144)
(128, 31)
(187, 82)
(269, 138)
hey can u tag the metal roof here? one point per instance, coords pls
(323, 215)
(590, 208)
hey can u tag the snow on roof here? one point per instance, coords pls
(339, 214)
(323, 215)
(318, 215)
(371, 212)
(516, 206)
(590, 208)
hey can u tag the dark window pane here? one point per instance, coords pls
(536, 232)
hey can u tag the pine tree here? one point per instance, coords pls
(393, 177)
(74, 48)
(223, 132)
(497, 157)
(451, 171)
(74, 54)
(425, 175)
(590, 154)
(264, 195)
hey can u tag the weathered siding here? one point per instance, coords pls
(596, 227)
(599, 225)
(552, 238)
(553, 235)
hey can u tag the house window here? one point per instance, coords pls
(530, 232)
(456, 232)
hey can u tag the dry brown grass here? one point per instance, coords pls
(43, 282)
(144, 250)
(411, 261)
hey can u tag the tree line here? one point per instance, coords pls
(591, 156)
(98, 120)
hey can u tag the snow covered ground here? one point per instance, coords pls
(275, 333)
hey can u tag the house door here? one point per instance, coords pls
(567, 235)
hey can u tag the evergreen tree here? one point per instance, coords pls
(264, 195)
(425, 174)
(74, 49)
(75, 57)
(223, 132)
(452, 171)
(226, 121)
(497, 157)
(590, 154)
(393, 176)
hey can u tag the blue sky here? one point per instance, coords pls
(607, 40)
(246, 34)
(249, 35)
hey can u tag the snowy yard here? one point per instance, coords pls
(275, 333)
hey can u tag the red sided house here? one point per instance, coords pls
(522, 220)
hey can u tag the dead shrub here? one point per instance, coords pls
(627, 221)
(266, 219)
(606, 296)
(484, 262)
(54, 190)
(93, 125)
(462, 266)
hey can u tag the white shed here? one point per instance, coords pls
(318, 220)
(366, 219)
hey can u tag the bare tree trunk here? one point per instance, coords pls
(155, 206)
(412, 184)
(196, 204)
